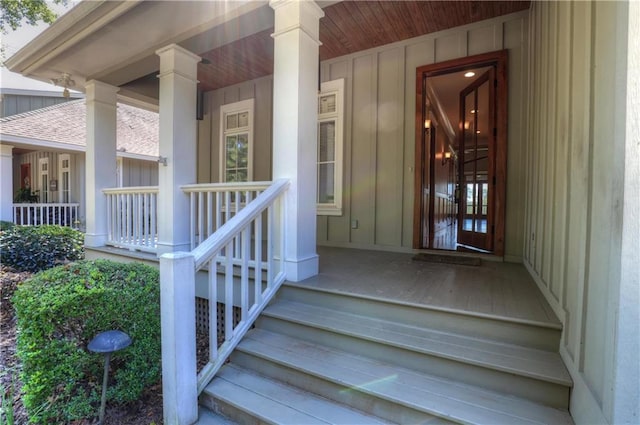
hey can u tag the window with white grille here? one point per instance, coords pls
(330, 147)
(236, 141)
(43, 179)
(64, 175)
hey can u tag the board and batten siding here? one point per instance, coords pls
(136, 172)
(77, 172)
(379, 138)
(12, 104)
(575, 190)
(208, 162)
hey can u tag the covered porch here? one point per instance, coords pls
(252, 71)
(498, 289)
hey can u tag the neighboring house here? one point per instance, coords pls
(532, 160)
(16, 101)
(48, 149)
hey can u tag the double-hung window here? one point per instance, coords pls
(236, 147)
(43, 179)
(64, 172)
(330, 136)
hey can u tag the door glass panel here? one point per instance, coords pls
(469, 162)
(475, 166)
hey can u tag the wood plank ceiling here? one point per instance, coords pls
(349, 27)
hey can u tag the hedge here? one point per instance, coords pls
(36, 248)
(60, 310)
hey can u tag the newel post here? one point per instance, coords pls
(177, 311)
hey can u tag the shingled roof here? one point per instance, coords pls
(66, 123)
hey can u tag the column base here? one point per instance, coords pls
(301, 269)
(95, 239)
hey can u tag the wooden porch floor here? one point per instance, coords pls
(496, 289)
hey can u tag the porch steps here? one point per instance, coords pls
(278, 403)
(531, 373)
(398, 362)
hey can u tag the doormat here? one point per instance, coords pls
(448, 259)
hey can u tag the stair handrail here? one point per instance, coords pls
(207, 253)
(209, 248)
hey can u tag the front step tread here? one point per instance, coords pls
(529, 362)
(278, 403)
(207, 417)
(437, 396)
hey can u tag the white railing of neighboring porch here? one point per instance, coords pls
(132, 212)
(132, 217)
(61, 214)
(242, 285)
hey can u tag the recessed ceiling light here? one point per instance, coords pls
(469, 74)
(473, 111)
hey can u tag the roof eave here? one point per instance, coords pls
(81, 21)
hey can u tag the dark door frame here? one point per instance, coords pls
(499, 60)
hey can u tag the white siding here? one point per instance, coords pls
(574, 189)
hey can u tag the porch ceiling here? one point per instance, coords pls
(115, 42)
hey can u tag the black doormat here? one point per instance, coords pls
(448, 259)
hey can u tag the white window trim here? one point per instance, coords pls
(331, 87)
(41, 174)
(119, 171)
(230, 108)
(61, 170)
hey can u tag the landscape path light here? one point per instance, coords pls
(107, 343)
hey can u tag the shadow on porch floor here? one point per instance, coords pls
(495, 289)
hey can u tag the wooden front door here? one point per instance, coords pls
(461, 132)
(476, 163)
(25, 176)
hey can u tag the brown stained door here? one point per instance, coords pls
(476, 164)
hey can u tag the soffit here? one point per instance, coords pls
(349, 27)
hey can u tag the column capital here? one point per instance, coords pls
(297, 14)
(97, 90)
(6, 150)
(176, 59)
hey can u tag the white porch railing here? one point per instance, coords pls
(132, 217)
(242, 285)
(243, 234)
(214, 204)
(62, 214)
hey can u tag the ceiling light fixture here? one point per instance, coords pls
(469, 74)
(64, 81)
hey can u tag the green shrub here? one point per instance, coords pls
(60, 310)
(36, 248)
(5, 225)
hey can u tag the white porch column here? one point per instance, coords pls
(6, 182)
(295, 93)
(626, 376)
(100, 158)
(178, 136)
